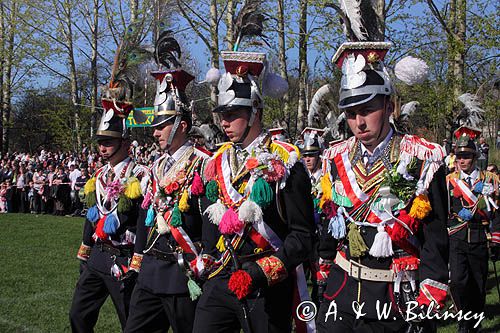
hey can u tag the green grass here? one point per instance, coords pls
(39, 270)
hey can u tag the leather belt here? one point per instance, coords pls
(116, 251)
(361, 272)
(255, 256)
(169, 256)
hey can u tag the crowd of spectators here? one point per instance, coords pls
(52, 182)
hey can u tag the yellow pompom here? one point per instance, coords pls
(220, 244)
(421, 207)
(183, 202)
(89, 186)
(326, 188)
(133, 188)
(242, 187)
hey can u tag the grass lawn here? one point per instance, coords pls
(39, 270)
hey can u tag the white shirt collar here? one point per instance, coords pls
(117, 169)
(256, 142)
(179, 152)
(380, 147)
(473, 176)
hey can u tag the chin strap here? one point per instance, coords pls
(249, 126)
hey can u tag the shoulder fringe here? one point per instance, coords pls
(289, 153)
(339, 148)
(431, 153)
(422, 149)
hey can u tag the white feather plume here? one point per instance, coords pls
(212, 76)
(317, 101)
(411, 70)
(409, 108)
(475, 114)
(274, 86)
(352, 10)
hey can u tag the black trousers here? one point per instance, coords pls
(157, 313)
(91, 291)
(349, 323)
(468, 272)
(268, 310)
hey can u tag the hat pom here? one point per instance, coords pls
(274, 86)
(212, 76)
(411, 70)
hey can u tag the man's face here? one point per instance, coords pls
(235, 123)
(310, 161)
(109, 147)
(482, 140)
(465, 162)
(369, 122)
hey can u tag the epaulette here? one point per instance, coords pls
(202, 152)
(453, 175)
(339, 148)
(224, 146)
(422, 149)
(289, 153)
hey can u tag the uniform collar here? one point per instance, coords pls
(473, 176)
(117, 169)
(377, 152)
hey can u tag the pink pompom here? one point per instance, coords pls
(230, 223)
(210, 171)
(147, 200)
(196, 185)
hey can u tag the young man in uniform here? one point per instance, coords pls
(260, 224)
(113, 195)
(384, 197)
(473, 194)
(165, 293)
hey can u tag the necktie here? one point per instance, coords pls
(169, 162)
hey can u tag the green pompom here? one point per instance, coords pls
(261, 194)
(176, 220)
(194, 289)
(212, 191)
(357, 246)
(90, 199)
(124, 204)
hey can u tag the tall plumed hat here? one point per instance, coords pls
(312, 141)
(364, 75)
(247, 78)
(171, 81)
(125, 87)
(465, 140)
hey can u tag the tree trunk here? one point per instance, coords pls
(303, 70)
(93, 68)
(7, 81)
(214, 46)
(230, 39)
(134, 9)
(2, 62)
(282, 59)
(72, 68)
(459, 61)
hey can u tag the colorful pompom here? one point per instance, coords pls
(133, 188)
(210, 171)
(421, 207)
(99, 230)
(240, 283)
(150, 217)
(93, 214)
(250, 212)
(197, 185)
(212, 191)
(147, 200)
(230, 223)
(215, 212)
(124, 204)
(261, 194)
(183, 202)
(176, 220)
(111, 224)
(465, 214)
(89, 186)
